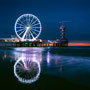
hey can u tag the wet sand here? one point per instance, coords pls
(45, 82)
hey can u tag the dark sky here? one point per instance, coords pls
(50, 13)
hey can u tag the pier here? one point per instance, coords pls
(37, 43)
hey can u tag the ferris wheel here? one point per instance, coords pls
(28, 27)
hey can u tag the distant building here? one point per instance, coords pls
(62, 41)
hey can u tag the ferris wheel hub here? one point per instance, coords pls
(28, 28)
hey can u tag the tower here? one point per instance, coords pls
(62, 31)
(62, 42)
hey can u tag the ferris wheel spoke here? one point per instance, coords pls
(20, 24)
(36, 27)
(27, 20)
(23, 18)
(35, 30)
(34, 22)
(21, 32)
(19, 27)
(34, 33)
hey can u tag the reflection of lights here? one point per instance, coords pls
(34, 53)
(56, 61)
(29, 49)
(34, 57)
(40, 57)
(26, 70)
(5, 55)
(48, 47)
(61, 67)
(48, 57)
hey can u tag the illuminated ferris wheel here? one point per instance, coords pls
(28, 27)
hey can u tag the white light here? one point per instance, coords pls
(48, 57)
(27, 28)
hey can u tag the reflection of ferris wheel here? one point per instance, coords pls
(28, 27)
(26, 70)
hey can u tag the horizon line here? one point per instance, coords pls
(78, 44)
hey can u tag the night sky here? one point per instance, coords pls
(50, 13)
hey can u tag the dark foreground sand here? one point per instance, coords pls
(45, 82)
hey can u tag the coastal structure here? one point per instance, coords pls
(62, 41)
(28, 28)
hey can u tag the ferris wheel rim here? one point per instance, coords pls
(22, 17)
